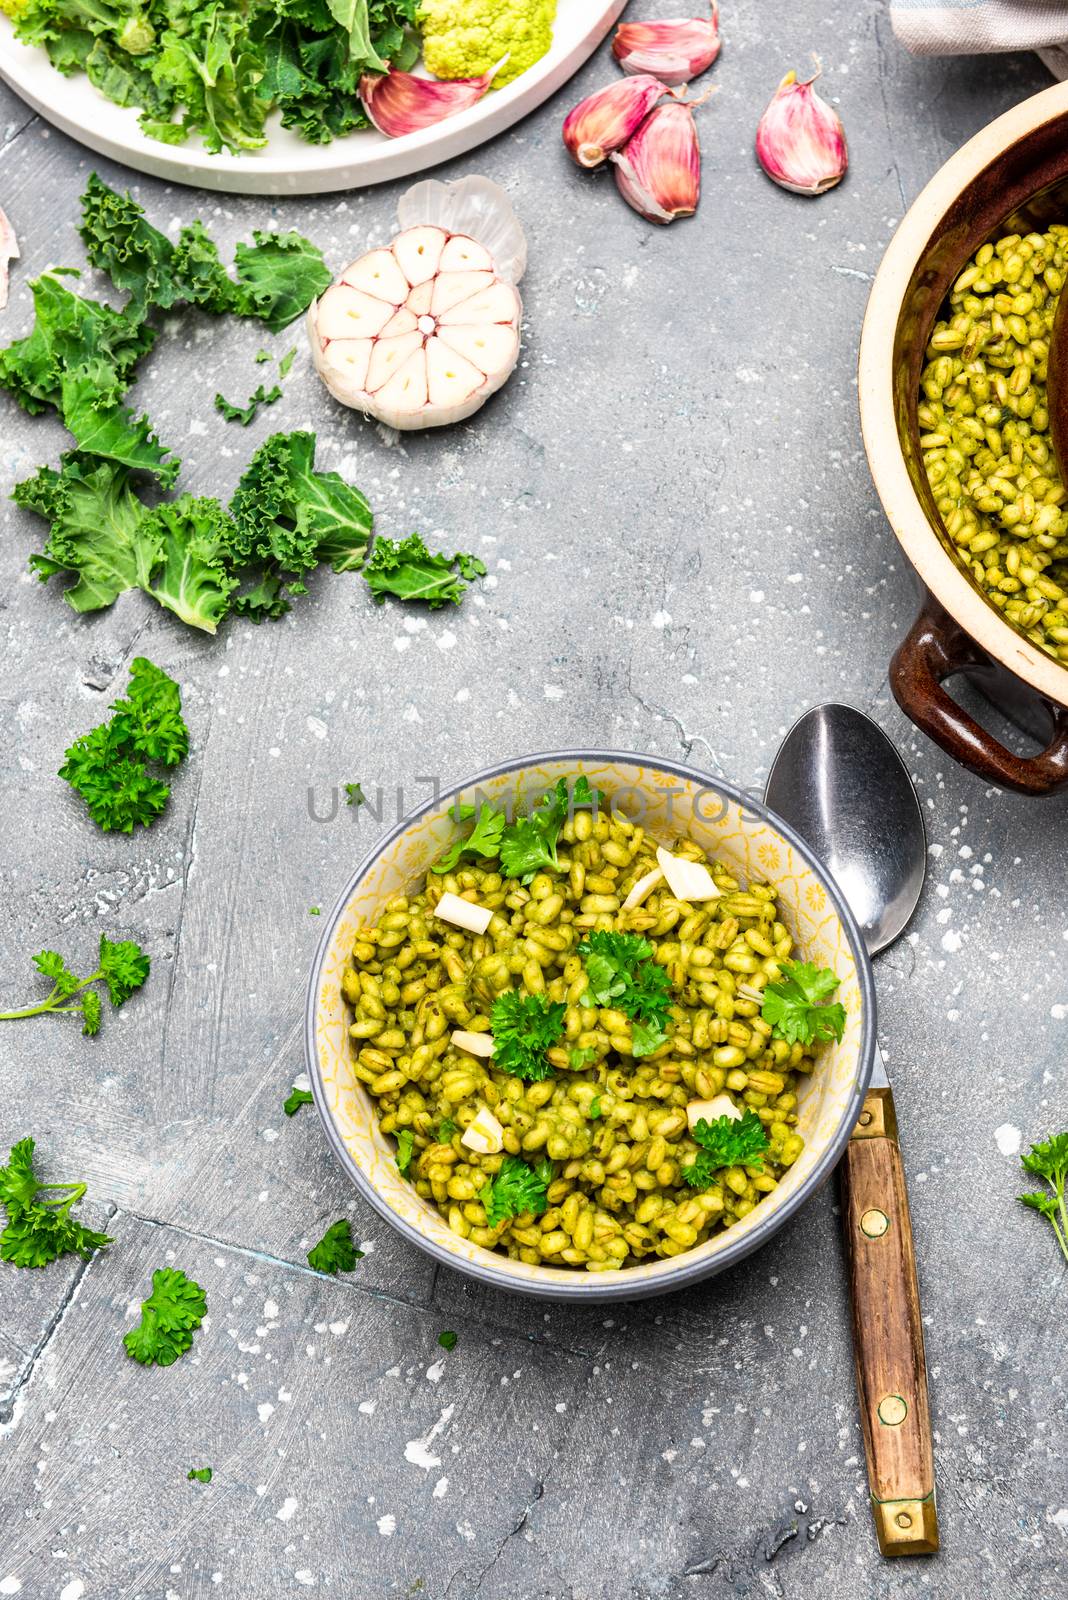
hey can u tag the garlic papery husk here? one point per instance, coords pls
(399, 102)
(9, 251)
(605, 120)
(420, 333)
(658, 172)
(674, 51)
(800, 141)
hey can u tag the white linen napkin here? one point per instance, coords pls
(984, 27)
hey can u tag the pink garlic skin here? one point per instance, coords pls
(658, 172)
(399, 102)
(605, 120)
(800, 141)
(673, 51)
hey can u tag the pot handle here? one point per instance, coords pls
(935, 648)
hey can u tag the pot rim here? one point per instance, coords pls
(920, 541)
(680, 1271)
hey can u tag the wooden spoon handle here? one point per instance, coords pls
(888, 1333)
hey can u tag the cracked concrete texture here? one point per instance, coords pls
(685, 551)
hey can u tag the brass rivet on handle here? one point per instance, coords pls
(865, 1119)
(874, 1223)
(903, 1519)
(892, 1410)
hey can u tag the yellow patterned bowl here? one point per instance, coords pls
(668, 799)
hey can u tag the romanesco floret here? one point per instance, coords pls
(463, 38)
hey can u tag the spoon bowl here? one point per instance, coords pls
(840, 783)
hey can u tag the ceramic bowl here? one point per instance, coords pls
(669, 800)
(1012, 176)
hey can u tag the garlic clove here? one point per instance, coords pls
(345, 362)
(721, 1105)
(673, 51)
(489, 349)
(465, 255)
(9, 251)
(483, 1133)
(399, 103)
(460, 912)
(498, 303)
(389, 357)
(800, 141)
(418, 252)
(346, 313)
(643, 889)
(406, 392)
(688, 880)
(450, 378)
(403, 320)
(378, 274)
(450, 288)
(476, 1044)
(605, 120)
(658, 171)
(418, 301)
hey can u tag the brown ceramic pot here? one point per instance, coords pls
(1011, 176)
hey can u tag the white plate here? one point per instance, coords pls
(286, 165)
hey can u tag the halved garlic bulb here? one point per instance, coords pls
(420, 333)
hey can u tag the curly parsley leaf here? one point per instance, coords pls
(516, 1189)
(40, 1227)
(1050, 1162)
(123, 967)
(91, 1012)
(102, 765)
(795, 1004)
(447, 1129)
(483, 840)
(447, 1340)
(726, 1142)
(199, 1474)
(405, 1149)
(354, 795)
(169, 1318)
(529, 843)
(577, 1058)
(335, 1251)
(295, 1099)
(623, 974)
(406, 569)
(524, 1027)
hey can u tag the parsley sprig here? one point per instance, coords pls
(518, 1188)
(123, 968)
(794, 1004)
(623, 974)
(40, 1227)
(335, 1251)
(107, 765)
(169, 1318)
(524, 1027)
(527, 845)
(726, 1142)
(483, 840)
(1050, 1162)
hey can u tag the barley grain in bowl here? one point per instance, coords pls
(589, 1028)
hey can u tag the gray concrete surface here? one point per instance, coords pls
(685, 551)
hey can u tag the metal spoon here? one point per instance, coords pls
(840, 783)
